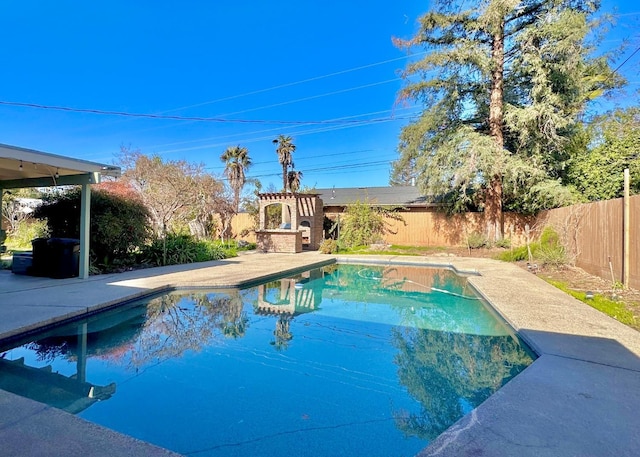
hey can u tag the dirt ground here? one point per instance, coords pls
(575, 278)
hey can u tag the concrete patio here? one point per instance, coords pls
(581, 397)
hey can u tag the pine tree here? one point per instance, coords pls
(502, 84)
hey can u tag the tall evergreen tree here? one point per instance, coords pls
(502, 84)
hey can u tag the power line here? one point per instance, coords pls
(340, 172)
(178, 118)
(342, 167)
(350, 164)
(626, 60)
(315, 78)
(362, 123)
(336, 164)
(220, 118)
(312, 97)
(323, 156)
(276, 129)
(331, 168)
(295, 83)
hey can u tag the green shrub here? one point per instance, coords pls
(20, 239)
(245, 245)
(550, 250)
(177, 249)
(328, 247)
(119, 225)
(364, 224)
(476, 240)
(514, 255)
(549, 237)
(220, 250)
(553, 256)
(503, 243)
(547, 251)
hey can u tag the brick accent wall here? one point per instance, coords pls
(279, 240)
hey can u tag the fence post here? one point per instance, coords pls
(627, 214)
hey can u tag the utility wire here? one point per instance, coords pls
(220, 118)
(338, 167)
(228, 138)
(353, 162)
(297, 134)
(304, 158)
(625, 61)
(178, 118)
(312, 97)
(295, 83)
(342, 172)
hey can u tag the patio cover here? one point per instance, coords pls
(20, 168)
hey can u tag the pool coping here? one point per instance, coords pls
(580, 397)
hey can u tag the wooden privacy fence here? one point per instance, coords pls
(593, 235)
(436, 228)
(420, 228)
(243, 226)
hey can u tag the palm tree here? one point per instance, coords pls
(236, 161)
(285, 151)
(294, 178)
(234, 320)
(282, 332)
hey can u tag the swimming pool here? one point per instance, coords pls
(343, 360)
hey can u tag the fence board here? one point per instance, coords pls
(243, 226)
(593, 233)
(436, 228)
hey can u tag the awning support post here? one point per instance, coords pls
(85, 209)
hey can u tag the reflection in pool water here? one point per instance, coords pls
(343, 360)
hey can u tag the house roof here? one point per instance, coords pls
(406, 196)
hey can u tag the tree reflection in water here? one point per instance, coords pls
(282, 332)
(451, 373)
(234, 320)
(177, 323)
(168, 326)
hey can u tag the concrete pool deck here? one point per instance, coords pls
(581, 397)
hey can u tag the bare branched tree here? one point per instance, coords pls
(175, 192)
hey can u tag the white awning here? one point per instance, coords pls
(20, 167)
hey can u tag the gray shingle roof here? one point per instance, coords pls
(388, 196)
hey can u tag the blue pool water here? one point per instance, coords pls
(344, 360)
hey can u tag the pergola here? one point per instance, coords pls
(20, 168)
(302, 218)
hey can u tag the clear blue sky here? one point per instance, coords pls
(279, 60)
